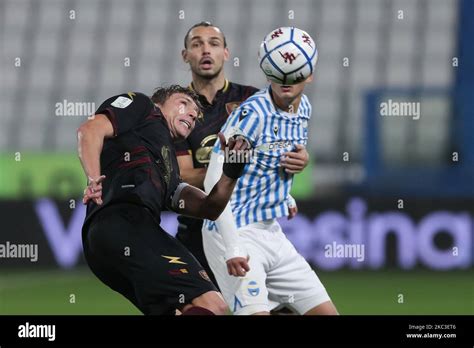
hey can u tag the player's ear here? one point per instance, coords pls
(309, 79)
(226, 53)
(184, 54)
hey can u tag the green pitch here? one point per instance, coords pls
(79, 292)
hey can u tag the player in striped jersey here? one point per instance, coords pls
(206, 51)
(262, 267)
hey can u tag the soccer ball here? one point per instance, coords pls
(287, 55)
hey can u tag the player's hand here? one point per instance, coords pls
(238, 266)
(94, 190)
(295, 161)
(236, 143)
(292, 211)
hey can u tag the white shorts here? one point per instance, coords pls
(278, 276)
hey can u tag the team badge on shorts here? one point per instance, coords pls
(253, 288)
(178, 271)
(204, 275)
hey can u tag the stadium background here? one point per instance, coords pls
(400, 186)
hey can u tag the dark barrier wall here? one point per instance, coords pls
(350, 232)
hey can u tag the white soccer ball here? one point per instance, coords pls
(288, 55)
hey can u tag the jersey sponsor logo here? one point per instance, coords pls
(131, 95)
(122, 102)
(204, 275)
(174, 259)
(253, 288)
(229, 107)
(279, 145)
(178, 271)
(203, 154)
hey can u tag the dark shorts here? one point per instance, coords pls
(128, 251)
(190, 234)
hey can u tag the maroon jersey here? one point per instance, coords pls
(139, 162)
(203, 137)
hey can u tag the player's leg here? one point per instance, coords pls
(214, 252)
(103, 250)
(294, 283)
(162, 274)
(326, 308)
(104, 269)
(211, 300)
(186, 283)
(245, 295)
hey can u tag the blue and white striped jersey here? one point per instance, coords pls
(262, 191)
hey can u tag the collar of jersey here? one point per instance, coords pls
(218, 94)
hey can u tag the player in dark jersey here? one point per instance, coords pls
(205, 50)
(127, 152)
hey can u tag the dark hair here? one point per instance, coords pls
(161, 94)
(203, 24)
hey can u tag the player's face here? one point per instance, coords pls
(289, 93)
(205, 52)
(180, 112)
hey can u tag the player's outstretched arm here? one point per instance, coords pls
(196, 203)
(90, 139)
(235, 254)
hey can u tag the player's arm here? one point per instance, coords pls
(250, 127)
(189, 174)
(191, 201)
(90, 140)
(235, 255)
(114, 116)
(294, 162)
